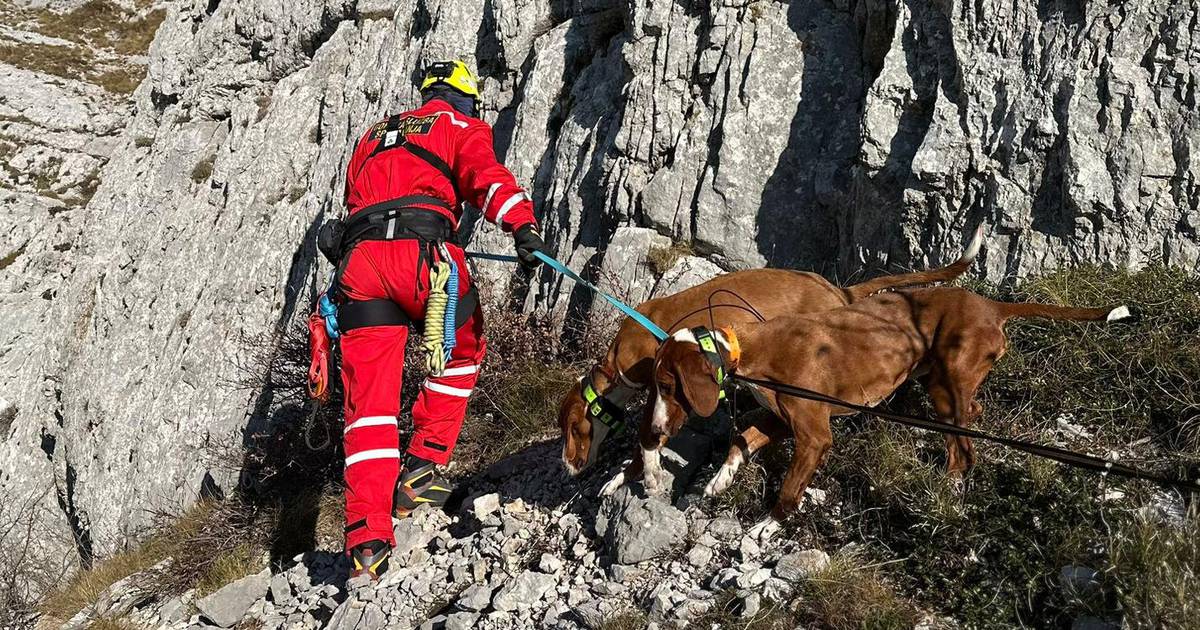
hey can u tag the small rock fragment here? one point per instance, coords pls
(228, 605)
(524, 591)
(801, 565)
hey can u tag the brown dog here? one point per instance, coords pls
(947, 337)
(627, 366)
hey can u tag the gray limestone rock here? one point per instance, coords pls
(475, 598)
(523, 591)
(227, 606)
(461, 621)
(699, 556)
(637, 529)
(281, 589)
(801, 565)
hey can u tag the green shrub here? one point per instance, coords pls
(1124, 381)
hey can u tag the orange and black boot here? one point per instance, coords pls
(370, 558)
(419, 484)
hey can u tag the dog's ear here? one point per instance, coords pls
(698, 378)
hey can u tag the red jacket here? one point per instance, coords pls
(463, 143)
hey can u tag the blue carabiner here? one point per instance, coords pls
(328, 311)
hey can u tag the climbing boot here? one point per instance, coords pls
(370, 558)
(420, 484)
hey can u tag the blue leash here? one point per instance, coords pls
(654, 329)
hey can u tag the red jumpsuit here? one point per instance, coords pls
(373, 357)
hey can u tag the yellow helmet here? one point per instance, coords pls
(455, 74)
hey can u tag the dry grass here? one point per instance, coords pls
(101, 33)
(230, 566)
(662, 259)
(86, 586)
(11, 257)
(1124, 381)
(207, 546)
(626, 620)
(64, 61)
(519, 390)
(103, 24)
(853, 593)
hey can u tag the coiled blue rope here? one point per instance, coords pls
(328, 311)
(449, 337)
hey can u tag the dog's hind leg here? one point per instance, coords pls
(765, 429)
(943, 406)
(952, 387)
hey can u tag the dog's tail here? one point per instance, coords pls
(1010, 310)
(941, 274)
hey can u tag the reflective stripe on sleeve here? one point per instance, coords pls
(508, 205)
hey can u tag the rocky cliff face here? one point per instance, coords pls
(835, 135)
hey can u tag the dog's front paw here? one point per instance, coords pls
(720, 482)
(655, 482)
(764, 529)
(613, 485)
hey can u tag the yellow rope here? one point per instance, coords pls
(435, 316)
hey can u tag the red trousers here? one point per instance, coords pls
(372, 374)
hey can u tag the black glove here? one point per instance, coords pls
(529, 241)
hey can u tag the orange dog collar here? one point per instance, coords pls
(735, 349)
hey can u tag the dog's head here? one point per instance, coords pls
(593, 409)
(685, 382)
(576, 430)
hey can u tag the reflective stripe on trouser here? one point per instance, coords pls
(441, 404)
(372, 364)
(371, 439)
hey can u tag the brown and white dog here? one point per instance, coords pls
(948, 338)
(627, 367)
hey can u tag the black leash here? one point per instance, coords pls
(1070, 458)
